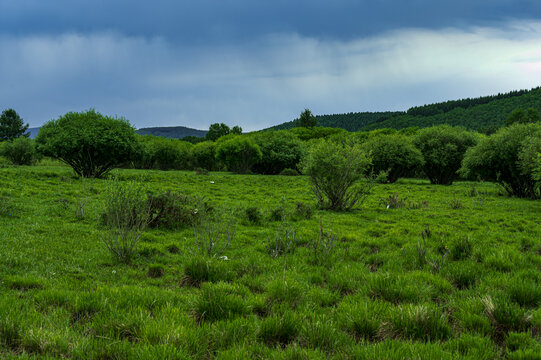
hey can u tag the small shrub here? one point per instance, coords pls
(127, 215)
(455, 204)
(289, 172)
(393, 202)
(304, 210)
(155, 271)
(279, 330)
(20, 151)
(335, 171)
(213, 233)
(277, 214)
(253, 215)
(201, 171)
(172, 210)
(284, 242)
(323, 246)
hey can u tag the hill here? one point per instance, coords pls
(177, 132)
(483, 113)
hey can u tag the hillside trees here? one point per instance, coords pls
(238, 153)
(280, 150)
(20, 151)
(306, 119)
(443, 147)
(521, 116)
(91, 143)
(11, 125)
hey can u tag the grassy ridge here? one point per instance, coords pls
(471, 289)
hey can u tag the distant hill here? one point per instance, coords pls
(176, 132)
(483, 113)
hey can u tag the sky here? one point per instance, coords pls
(258, 63)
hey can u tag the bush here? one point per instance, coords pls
(335, 171)
(171, 154)
(498, 158)
(289, 172)
(127, 215)
(443, 147)
(171, 210)
(253, 215)
(91, 143)
(394, 154)
(304, 210)
(20, 151)
(204, 155)
(280, 150)
(238, 153)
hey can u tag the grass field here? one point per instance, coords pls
(417, 271)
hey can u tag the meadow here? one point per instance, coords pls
(417, 271)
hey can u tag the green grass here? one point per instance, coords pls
(470, 290)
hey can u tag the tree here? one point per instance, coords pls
(20, 151)
(281, 150)
(306, 119)
(216, 131)
(204, 155)
(521, 116)
(237, 130)
(11, 125)
(91, 143)
(335, 170)
(394, 154)
(443, 147)
(239, 154)
(498, 158)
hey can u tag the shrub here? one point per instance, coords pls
(20, 151)
(91, 143)
(238, 153)
(204, 155)
(289, 172)
(497, 158)
(323, 246)
(171, 154)
(394, 154)
(284, 242)
(335, 171)
(253, 215)
(213, 233)
(155, 271)
(201, 171)
(127, 215)
(280, 150)
(172, 210)
(304, 210)
(443, 147)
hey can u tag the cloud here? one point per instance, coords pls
(264, 81)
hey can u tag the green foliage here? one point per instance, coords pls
(497, 158)
(172, 210)
(91, 143)
(239, 154)
(216, 131)
(213, 232)
(289, 172)
(306, 119)
(253, 215)
(204, 155)
(11, 125)
(417, 322)
(279, 330)
(521, 116)
(126, 214)
(394, 154)
(284, 242)
(280, 150)
(335, 171)
(443, 147)
(218, 303)
(154, 152)
(20, 151)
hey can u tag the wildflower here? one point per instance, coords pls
(113, 272)
(223, 258)
(212, 182)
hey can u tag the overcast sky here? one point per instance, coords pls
(258, 63)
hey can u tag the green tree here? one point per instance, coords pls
(443, 147)
(335, 170)
(394, 154)
(498, 158)
(521, 116)
(237, 130)
(239, 154)
(20, 151)
(216, 131)
(11, 125)
(91, 143)
(306, 119)
(204, 155)
(280, 149)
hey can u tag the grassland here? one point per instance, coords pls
(416, 272)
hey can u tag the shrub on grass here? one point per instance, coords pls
(253, 215)
(335, 171)
(155, 271)
(20, 151)
(304, 210)
(172, 210)
(204, 155)
(497, 158)
(213, 233)
(91, 143)
(238, 153)
(289, 172)
(394, 154)
(126, 214)
(280, 150)
(284, 242)
(443, 147)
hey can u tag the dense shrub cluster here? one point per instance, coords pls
(20, 151)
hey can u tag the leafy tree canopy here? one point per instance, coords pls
(11, 125)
